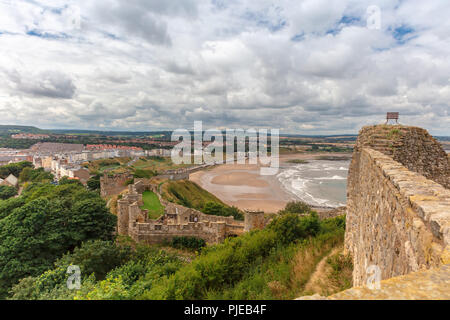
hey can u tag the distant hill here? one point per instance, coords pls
(6, 129)
(109, 133)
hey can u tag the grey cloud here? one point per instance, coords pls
(143, 19)
(51, 84)
(173, 62)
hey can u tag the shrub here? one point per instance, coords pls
(50, 221)
(35, 175)
(296, 207)
(94, 183)
(7, 192)
(217, 209)
(14, 168)
(290, 226)
(191, 243)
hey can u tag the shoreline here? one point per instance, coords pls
(242, 186)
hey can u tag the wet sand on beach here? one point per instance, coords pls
(242, 186)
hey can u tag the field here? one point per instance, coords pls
(152, 204)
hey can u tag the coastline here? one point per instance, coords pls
(242, 186)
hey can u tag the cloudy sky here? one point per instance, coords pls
(304, 66)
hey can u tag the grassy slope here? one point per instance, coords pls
(188, 193)
(152, 204)
(284, 273)
(262, 264)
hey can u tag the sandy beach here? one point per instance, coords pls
(242, 186)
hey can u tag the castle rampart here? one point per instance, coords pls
(397, 219)
(112, 185)
(177, 220)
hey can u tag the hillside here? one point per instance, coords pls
(191, 195)
(12, 129)
(275, 263)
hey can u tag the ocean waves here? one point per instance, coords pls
(319, 182)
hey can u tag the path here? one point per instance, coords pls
(313, 284)
(19, 192)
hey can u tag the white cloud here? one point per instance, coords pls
(305, 67)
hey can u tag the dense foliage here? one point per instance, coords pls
(35, 175)
(273, 263)
(7, 142)
(7, 192)
(14, 168)
(218, 209)
(190, 243)
(94, 183)
(45, 222)
(299, 207)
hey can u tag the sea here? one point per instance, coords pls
(319, 182)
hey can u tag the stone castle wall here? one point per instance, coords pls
(413, 147)
(397, 219)
(177, 221)
(113, 185)
(254, 220)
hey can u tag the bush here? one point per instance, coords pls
(299, 207)
(7, 192)
(261, 264)
(14, 168)
(96, 257)
(67, 180)
(213, 208)
(190, 243)
(290, 226)
(7, 206)
(94, 183)
(35, 175)
(217, 209)
(46, 222)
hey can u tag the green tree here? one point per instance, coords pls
(291, 226)
(14, 168)
(213, 208)
(67, 180)
(94, 183)
(50, 223)
(96, 257)
(299, 207)
(7, 192)
(25, 175)
(7, 206)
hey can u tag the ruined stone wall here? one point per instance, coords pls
(151, 233)
(413, 147)
(113, 185)
(396, 219)
(254, 220)
(178, 221)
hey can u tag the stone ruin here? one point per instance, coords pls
(177, 221)
(398, 216)
(113, 184)
(398, 209)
